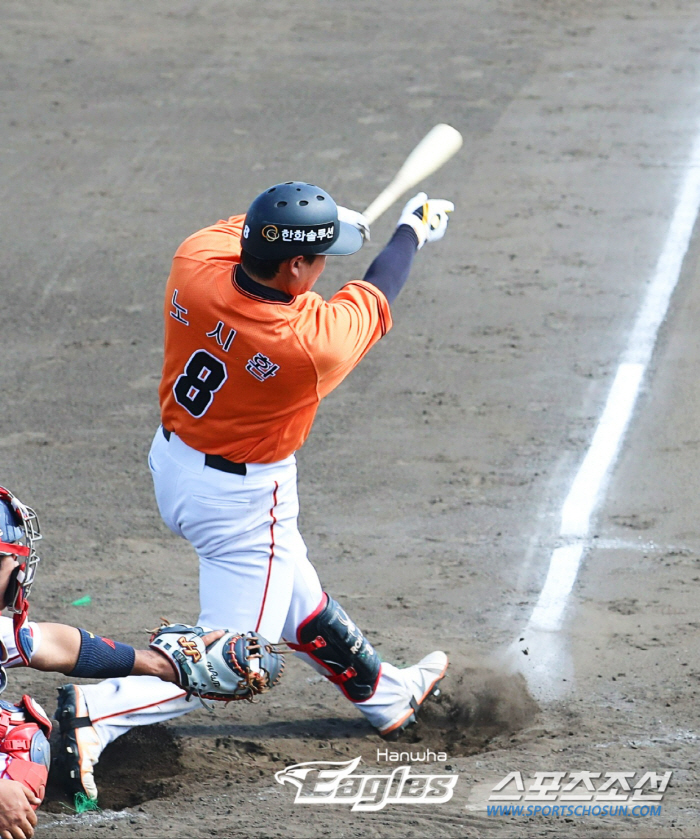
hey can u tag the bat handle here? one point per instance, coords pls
(382, 203)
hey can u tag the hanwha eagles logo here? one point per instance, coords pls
(271, 233)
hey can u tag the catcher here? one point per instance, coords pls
(216, 665)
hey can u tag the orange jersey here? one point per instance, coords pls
(243, 375)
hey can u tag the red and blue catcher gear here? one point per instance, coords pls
(10, 531)
(330, 638)
(24, 744)
(19, 533)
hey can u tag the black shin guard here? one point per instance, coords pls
(332, 639)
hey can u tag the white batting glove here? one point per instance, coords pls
(427, 216)
(356, 220)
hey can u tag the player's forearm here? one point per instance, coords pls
(390, 269)
(75, 652)
(153, 663)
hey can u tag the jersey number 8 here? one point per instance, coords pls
(195, 388)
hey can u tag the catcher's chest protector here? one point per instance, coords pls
(25, 753)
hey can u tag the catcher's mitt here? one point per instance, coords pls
(234, 667)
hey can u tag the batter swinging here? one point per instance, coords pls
(250, 350)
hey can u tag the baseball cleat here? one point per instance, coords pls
(422, 681)
(79, 747)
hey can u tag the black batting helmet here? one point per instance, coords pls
(296, 218)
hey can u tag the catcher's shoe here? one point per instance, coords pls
(79, 748)
(421, 682)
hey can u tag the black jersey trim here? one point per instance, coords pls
(257, 291)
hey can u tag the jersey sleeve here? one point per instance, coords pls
(339, 332)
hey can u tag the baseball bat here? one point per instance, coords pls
(435, 149)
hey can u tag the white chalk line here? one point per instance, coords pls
(563, 568)
(89, 818)
(602, 453)
(591, 479)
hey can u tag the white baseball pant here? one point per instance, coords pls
(254, 573)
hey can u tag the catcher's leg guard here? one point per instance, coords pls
(332, 639)
(79, 747)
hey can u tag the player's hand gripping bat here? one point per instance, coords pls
(435, 149)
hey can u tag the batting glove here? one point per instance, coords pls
(356, 220)
(427, 216)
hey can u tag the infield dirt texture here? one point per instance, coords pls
(432, 483)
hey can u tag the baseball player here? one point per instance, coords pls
(250, 350)
(24, 727)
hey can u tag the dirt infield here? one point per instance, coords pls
(433, 480)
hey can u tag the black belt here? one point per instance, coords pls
(215, 461)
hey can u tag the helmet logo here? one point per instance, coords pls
(302, 234)
(246, 232)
